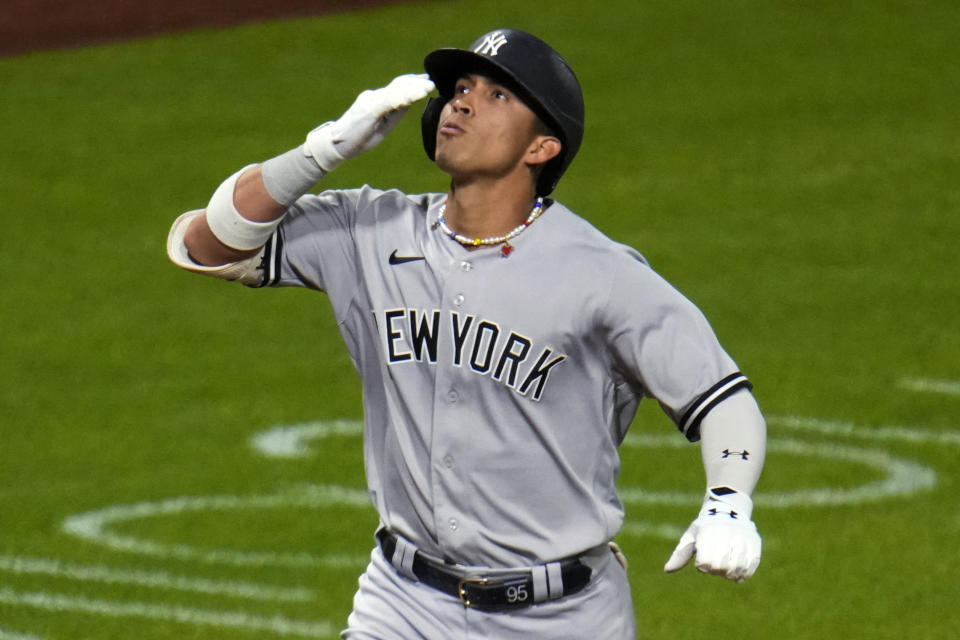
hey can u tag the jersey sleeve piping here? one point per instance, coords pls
(270, 262)
(272, 259)
(689, 424)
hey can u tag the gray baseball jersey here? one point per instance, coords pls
(496, 390)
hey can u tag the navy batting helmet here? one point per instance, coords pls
(528, 66)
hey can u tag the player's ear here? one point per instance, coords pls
(543, 149)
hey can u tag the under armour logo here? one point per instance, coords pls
(727, 453)
(491, 44)
(716, 512)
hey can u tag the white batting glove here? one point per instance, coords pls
(367, 122)
(723, 537)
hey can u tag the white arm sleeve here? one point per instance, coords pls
(246, 271)
(734, 443)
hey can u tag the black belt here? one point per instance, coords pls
(501, 590)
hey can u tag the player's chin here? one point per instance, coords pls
(446, 158)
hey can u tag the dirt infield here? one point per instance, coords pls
(31, 25)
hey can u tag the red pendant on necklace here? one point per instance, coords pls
(506, 249)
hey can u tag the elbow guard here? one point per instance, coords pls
(246, 271)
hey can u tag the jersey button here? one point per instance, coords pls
(452, 396)
(453, 524)
(466, 265)
(448, 461)
(458, 299)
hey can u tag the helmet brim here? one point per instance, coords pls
(446, 66)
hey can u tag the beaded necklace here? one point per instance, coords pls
(507, 248)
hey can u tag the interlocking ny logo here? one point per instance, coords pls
(491, 44)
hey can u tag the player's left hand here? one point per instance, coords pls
(367, 122)
(723, 537)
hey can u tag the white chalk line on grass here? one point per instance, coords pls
(154, 579)
(929, 385)
(643, 529)
(902, 477)
(885, 433)
(13, 635)
(94, 526)
(243, 620)
(291, 441)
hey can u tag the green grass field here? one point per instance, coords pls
(792, 167)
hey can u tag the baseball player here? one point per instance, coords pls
(503, 345)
